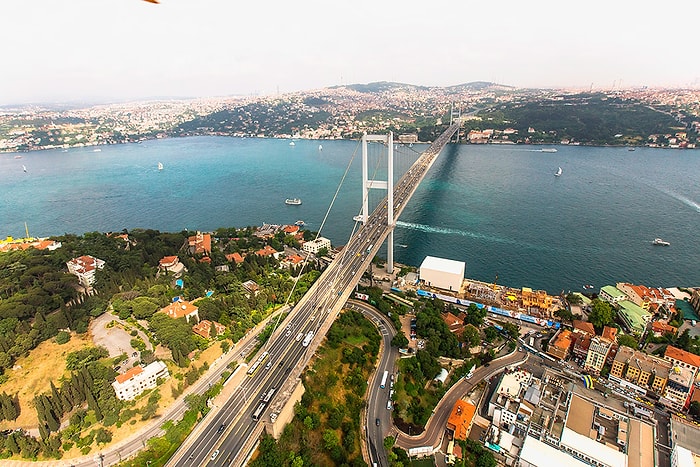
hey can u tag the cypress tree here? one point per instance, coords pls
(12, 445)
(56, 404)
(43, 431)
(40, 412)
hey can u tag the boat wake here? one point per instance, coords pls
(678, 197)
(448, 231)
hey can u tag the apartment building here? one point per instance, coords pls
(138, 379)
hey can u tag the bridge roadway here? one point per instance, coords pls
(314, 312)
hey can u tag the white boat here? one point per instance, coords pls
(292, 201)
(24, 168)
(558, 174)
(548, 150)
(300, 223)
(97, 150)
(660, 242)
(291, 143)
(160, 166)
(320, 147)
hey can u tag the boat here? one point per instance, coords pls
(403, 246)
(588, 286)
(660, 242)
(291, 143)
(18, 157)
(630, 149)
(292, 201)
(320, 147)
(97, 150)
(548, 150)
(160, 166)
(558, 172)
(300, 223)
(24, 168)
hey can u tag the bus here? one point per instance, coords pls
(369, 249)
(267, 397)
(383, 383)
(254, 367)
(471, 372)
(307, 339)
(258, 412)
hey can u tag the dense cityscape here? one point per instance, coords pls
(667, 118)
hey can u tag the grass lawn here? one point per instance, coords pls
(32, 374)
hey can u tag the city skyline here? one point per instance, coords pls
(127, 50)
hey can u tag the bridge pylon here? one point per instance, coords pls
(387, 185)
(455, 117)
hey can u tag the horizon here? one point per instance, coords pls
(69, 53)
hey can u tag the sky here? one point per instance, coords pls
(116, 50)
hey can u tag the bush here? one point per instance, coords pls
(62, 337)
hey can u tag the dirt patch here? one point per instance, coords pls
(32, 375)
(112, 337)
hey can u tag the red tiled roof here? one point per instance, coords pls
(235, 257)
(584, 326)
(267, 251)
(680, 354)
(121, 379)
(179, 309)
(461, 418)
(290, 229)
(168, 260)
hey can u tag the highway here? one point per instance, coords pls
(222, 440)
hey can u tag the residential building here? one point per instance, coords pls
(611, 294)
(203, 328)
(251, 286)
(682, 358)
(597, 354)
(84, 267)
(182, 309)
(314, 246)
(583, 327)
(460, 421)
(560, 345)
(682, 457)
(132, 383)
(648, 298)
(235, 257)
(633, 317)
(659, 328)
(267, 251)
(645, 371)
(172, 264)
(679, 388)
(504, 405)
(200, 244)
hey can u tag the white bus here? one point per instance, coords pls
(384, 377)
(267, 397)
(307, 339)
(258, 412)
(254, 367)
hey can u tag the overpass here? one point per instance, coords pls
(228, 437)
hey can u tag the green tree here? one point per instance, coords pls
(627, 340)
(694, 409)
(62, 337)
(601, 314)
(471, 335)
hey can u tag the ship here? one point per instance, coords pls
(558, 174)
(548, 150)
(660, 242)
(292, 201)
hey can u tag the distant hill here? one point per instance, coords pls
(383, 86)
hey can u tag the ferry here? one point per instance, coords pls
(548, 150)
(660, 242)
(292, 201)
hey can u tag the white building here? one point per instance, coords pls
(442, 273)
(314, 246)
(84, 267)
(138, 379)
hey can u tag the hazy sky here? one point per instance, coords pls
(68, 50)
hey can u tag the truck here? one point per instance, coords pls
(384, 377)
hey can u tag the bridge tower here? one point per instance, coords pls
(387, 185)
(455, 116)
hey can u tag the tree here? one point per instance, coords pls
(627, 340)
(399, 340)
(62, 337)
(601, 314)
(471, 335)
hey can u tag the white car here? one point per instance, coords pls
(216, 453)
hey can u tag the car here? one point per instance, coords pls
(487, 364)
(268, 366)
(135, 354)
(216, 453)
(117, 368)
(221, 428)
(376, 422)
(125, 362)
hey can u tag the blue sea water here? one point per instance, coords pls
(498, 208)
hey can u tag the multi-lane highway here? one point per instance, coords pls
(224, 436)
